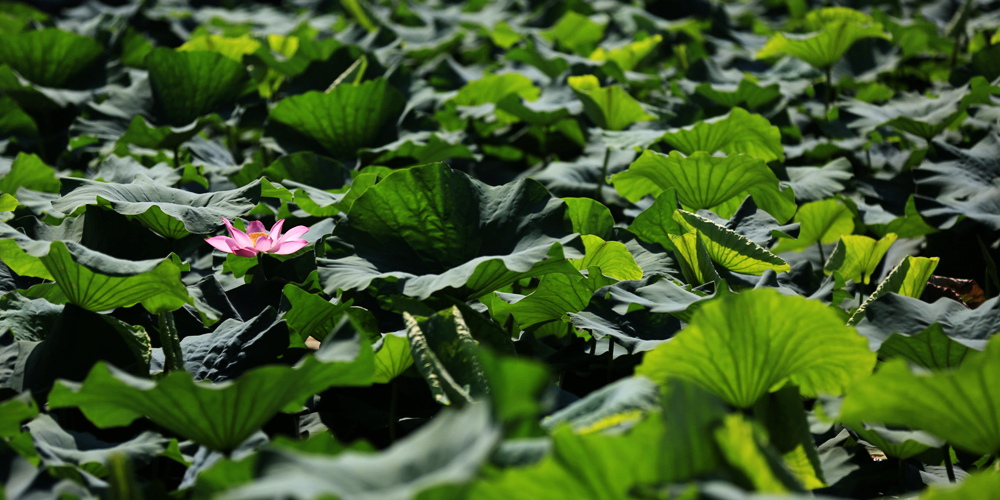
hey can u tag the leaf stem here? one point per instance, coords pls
(174, 357)
(393, 402)
(611, 356)
(828, 91)
(822, 256)
(947, 463)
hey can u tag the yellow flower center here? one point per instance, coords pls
(254, 237)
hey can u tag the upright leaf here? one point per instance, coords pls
(857, 256)
(187, 85)
(610, 108)
(735, 133)
(822, 222)
(444, 353)
(835, 30)
(704, 181)
(49, 57)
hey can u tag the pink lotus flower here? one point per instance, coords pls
(257, 239)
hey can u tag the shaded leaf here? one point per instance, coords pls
(958, 406)
(187, 85)
(50, 57)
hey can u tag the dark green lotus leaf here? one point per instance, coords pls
(110, 397)
(14, 411)
(894, 313)
(347, 118)
(235, 346)
(448, 450)
(309, 168)
(925, 117)
(28, 319)
(58, 447)
(50, 57)
(706, 182)
(15, 122)
(961, 182)
(737, 132)
(932, 349)
(958, 406)
(188, 85)
(909, 278)
(98, 282)
(433, 228)
(30, 172)
(737, 346)
(171, 212)
(444, 352)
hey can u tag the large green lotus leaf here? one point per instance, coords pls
(704, 181)
(783, 416)
(821, 222)
(187, 85)
(837, 29)
(30, 172)
(58, 447)
(612, 257)
(743, 346)
(14, 121)
(589, 216)
(728, 248)
(345, 119)
(520, 390)
(432, 228)
(444, 353)
(110, 397)
(610, 108)
(857, 256)
(932, 349)
(98, 282)
(737, 132)
(908, 278)
(958, 406)
(49, 57)
(171, 212)
(449, 450)
(15, 411)
(896, 443)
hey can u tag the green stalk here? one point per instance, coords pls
(947, 463)
(611, 356)
(171, 343)
(393, 402)
(828, 93)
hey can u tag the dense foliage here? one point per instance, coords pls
(555, 249)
